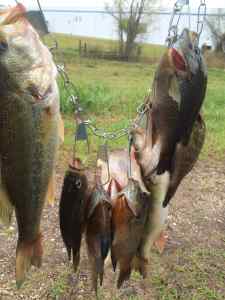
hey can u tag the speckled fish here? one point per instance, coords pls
(129, 216)
(72, 206)
(29, 132)
(98, 233)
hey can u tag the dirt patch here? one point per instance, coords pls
(192, 266)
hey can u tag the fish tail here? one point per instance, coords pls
(6, 208)
(94, 276)
(27, 254)
(61, 129)
(76, 260)
(125, 271)
(50, 196)
(100, 268)
(114, 260)
(140, 264)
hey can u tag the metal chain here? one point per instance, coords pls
(174, 22)
(114, 135)
(201, 17)
(73, 95)
(175, 19)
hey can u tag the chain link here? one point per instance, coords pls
(174, 22)
(201, 17)
(73, 96)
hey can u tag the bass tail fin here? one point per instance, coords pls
(27, 254)
(6, 208)
(61, 130)
(50, 196)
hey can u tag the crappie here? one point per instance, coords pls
(29, 132)
(98, 232)
(72, 206)
(129, 216)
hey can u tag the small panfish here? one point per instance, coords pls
(129, 216)
(72, 209)
(98, 232)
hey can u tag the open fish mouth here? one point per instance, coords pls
(185, 52)
(10, 16)
(37, 96)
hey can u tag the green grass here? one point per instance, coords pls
(191, 274)
(70, 46)
(111, 92)
(214, 112)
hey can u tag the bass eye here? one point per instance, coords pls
(3, 46)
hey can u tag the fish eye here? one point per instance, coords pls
(78, 183)
(190, 46)
(3, 46)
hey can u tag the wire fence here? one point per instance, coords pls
(101, 24)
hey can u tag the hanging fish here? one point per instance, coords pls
(168, 148)
(98, 232)
(129, 216)
(72, 209)
(30, 126)
(116, 170)
(178, 93)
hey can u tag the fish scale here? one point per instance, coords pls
(29, 134)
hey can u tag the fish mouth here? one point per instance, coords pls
(185, 53)
(179, 60)
(34, 91)
(44, 100)
(12, 15)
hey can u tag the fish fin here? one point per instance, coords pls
(6, 208)
(125, 271)
(140, 264)
(100, 269)
(105, 246)
(94, 274)
(61, 129)
(27, 254)
(76, 260)
(50, 196)
(160, 243)
(132, 207)
(69, 250)
(113, 259)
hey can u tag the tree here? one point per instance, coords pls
(129, 16)
(216, 26)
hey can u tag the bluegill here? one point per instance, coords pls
(73, 202)
(98, 232)
(129, 216)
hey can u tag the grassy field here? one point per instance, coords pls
(110, 92)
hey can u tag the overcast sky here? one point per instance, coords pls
(101, 3)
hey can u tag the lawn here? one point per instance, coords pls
(111, 91)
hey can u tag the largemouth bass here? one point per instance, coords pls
(29, 132)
